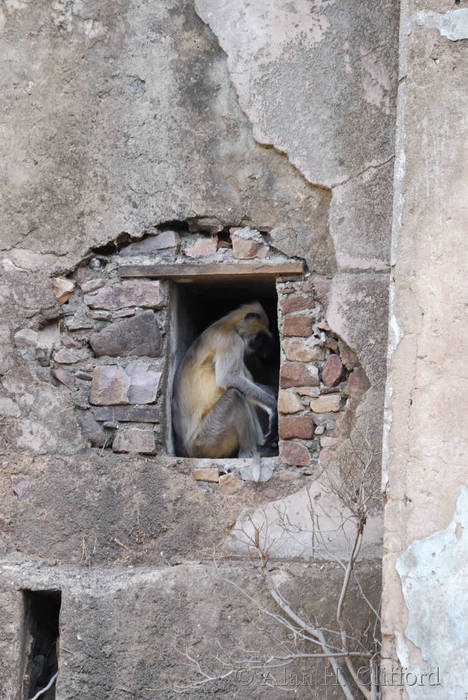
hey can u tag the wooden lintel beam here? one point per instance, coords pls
(213, 271)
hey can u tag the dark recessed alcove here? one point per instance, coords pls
(197, 304)
(40, 642)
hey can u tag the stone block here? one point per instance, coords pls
(296, 427)
(110, 385)
(333, 371)
(300, 325)
(288, 402)
(134, 440)
(294, 454)
(298, 374)
(139, 292)
(301, 351)
(144, 383)
(139, 335)
(330, 403)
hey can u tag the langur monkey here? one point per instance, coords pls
(214, 397)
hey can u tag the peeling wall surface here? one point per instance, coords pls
(426, 448)
(217, 133)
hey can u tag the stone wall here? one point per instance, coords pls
(159, 130)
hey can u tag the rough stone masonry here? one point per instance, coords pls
(177, 132)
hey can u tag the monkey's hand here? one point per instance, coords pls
(272, 433)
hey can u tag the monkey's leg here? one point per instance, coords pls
(229, 427)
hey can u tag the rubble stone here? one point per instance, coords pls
(298, 374)
(69, 342)
(66, 357)
(300, 325)
(330, 403)
(296, 427)
(348, 356)
(206, 223)
(110, 385)
(294, 454)
(299, 350)
(63, 289)
(245, 249)
(92, 285)
(64, 377)
(91, 429)
(229, 483)
(138, 335)
(146, 293)
(288, 402)
(333, 371)
(357, 384)
(164, 242)
(134, 440)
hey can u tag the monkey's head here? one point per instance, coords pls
(253, 327)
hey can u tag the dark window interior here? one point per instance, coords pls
(196, 305)
(42, 610)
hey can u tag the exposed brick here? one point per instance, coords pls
(330, 403)
(294, 453)
(294, 303)
(298, 374)
(288, 402)
(296, 427)
(298, 325)
(333, 371)
(299, 350)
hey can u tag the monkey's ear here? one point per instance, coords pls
(251, 314)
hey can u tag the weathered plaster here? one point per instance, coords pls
(433, 572)
(452, 24)
(425, 444)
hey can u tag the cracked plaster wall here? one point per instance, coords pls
(425, 445)
(118, 116)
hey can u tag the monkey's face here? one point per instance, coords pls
(254, 330)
